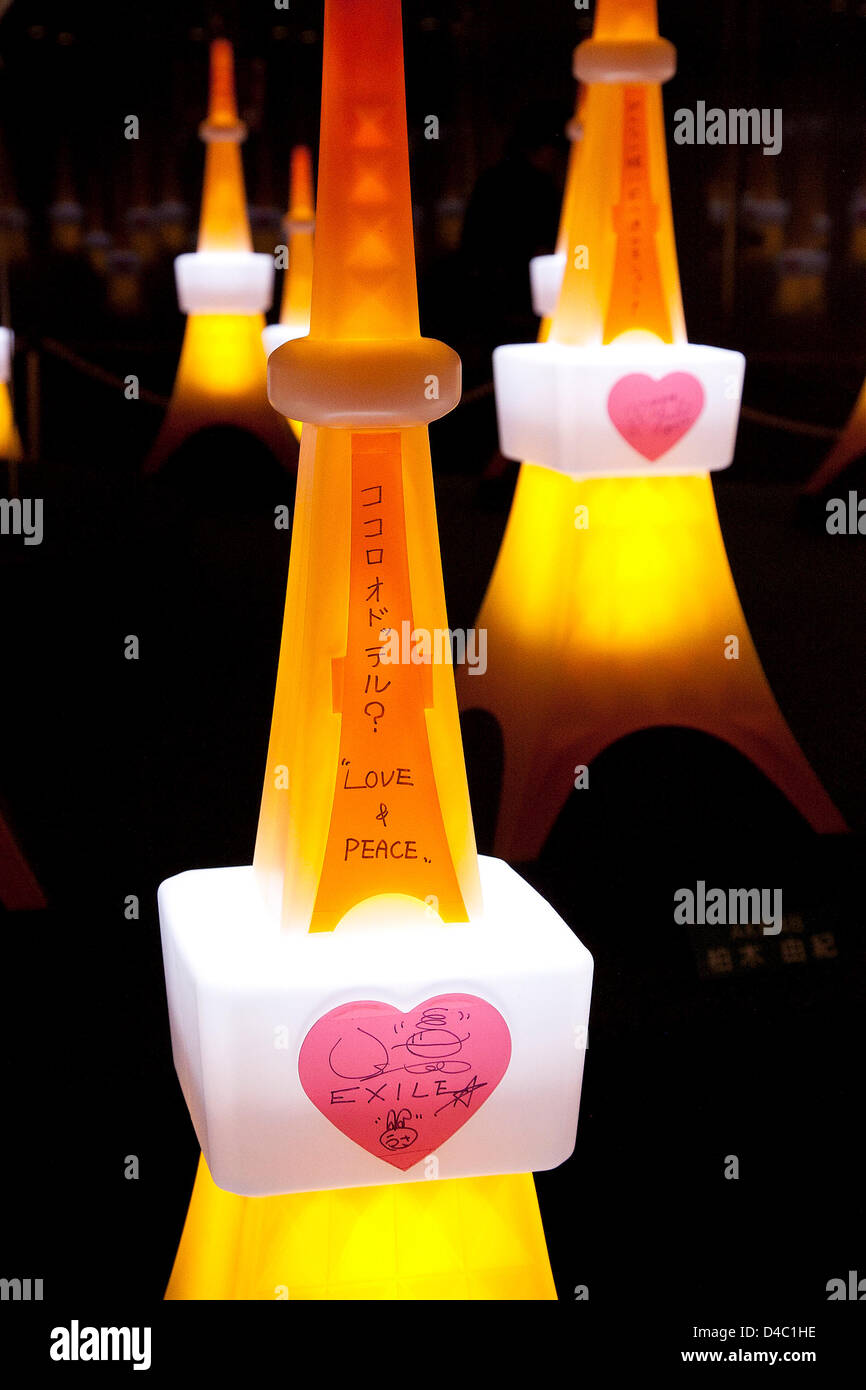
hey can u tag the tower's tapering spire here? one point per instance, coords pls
(224, 223)
(624, 20)
(300, 228)
(627, 221)
(364, 285)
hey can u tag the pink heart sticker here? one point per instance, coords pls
(652, 415)
(401, 1084)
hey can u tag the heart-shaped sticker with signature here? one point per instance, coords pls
(400, 1084)
(652, 415)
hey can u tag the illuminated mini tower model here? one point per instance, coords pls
(65, 215)
(379, 1035)
(804, 259)
(300, 226)
(612, 607)
(14, 220)
(140, 218)
(225, 288)
(11, 450)
(172, 214)
(765, 212)
(98, 240)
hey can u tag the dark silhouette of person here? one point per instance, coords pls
(513, 215)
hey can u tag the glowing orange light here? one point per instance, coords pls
(298, 284)
(11, 448)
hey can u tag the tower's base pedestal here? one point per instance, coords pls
(612, 608)
(387, 1052)
(221, 380)
(468, 1238)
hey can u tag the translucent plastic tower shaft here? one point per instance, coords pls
(365, 791)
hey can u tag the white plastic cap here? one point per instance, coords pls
(7, 344)
(275, 334)
(545, 278)
(630, 409)
(224, 282)
(618, 60)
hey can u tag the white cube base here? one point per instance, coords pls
(457, 1050)
(224, 282)
(631, 409)
(545, 280)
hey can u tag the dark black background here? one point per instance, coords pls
(117, 774)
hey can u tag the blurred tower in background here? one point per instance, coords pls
(224, 287)
(612, 606)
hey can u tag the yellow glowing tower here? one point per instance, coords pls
(224, 288)
(366, 752)
(612, 607)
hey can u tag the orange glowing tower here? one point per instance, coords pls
(612, 607)
(804, 259)
(300, 225)
(365, 833)
(224, 287)
(11, 449)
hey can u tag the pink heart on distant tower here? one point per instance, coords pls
(652, 415)
(401, 1084)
